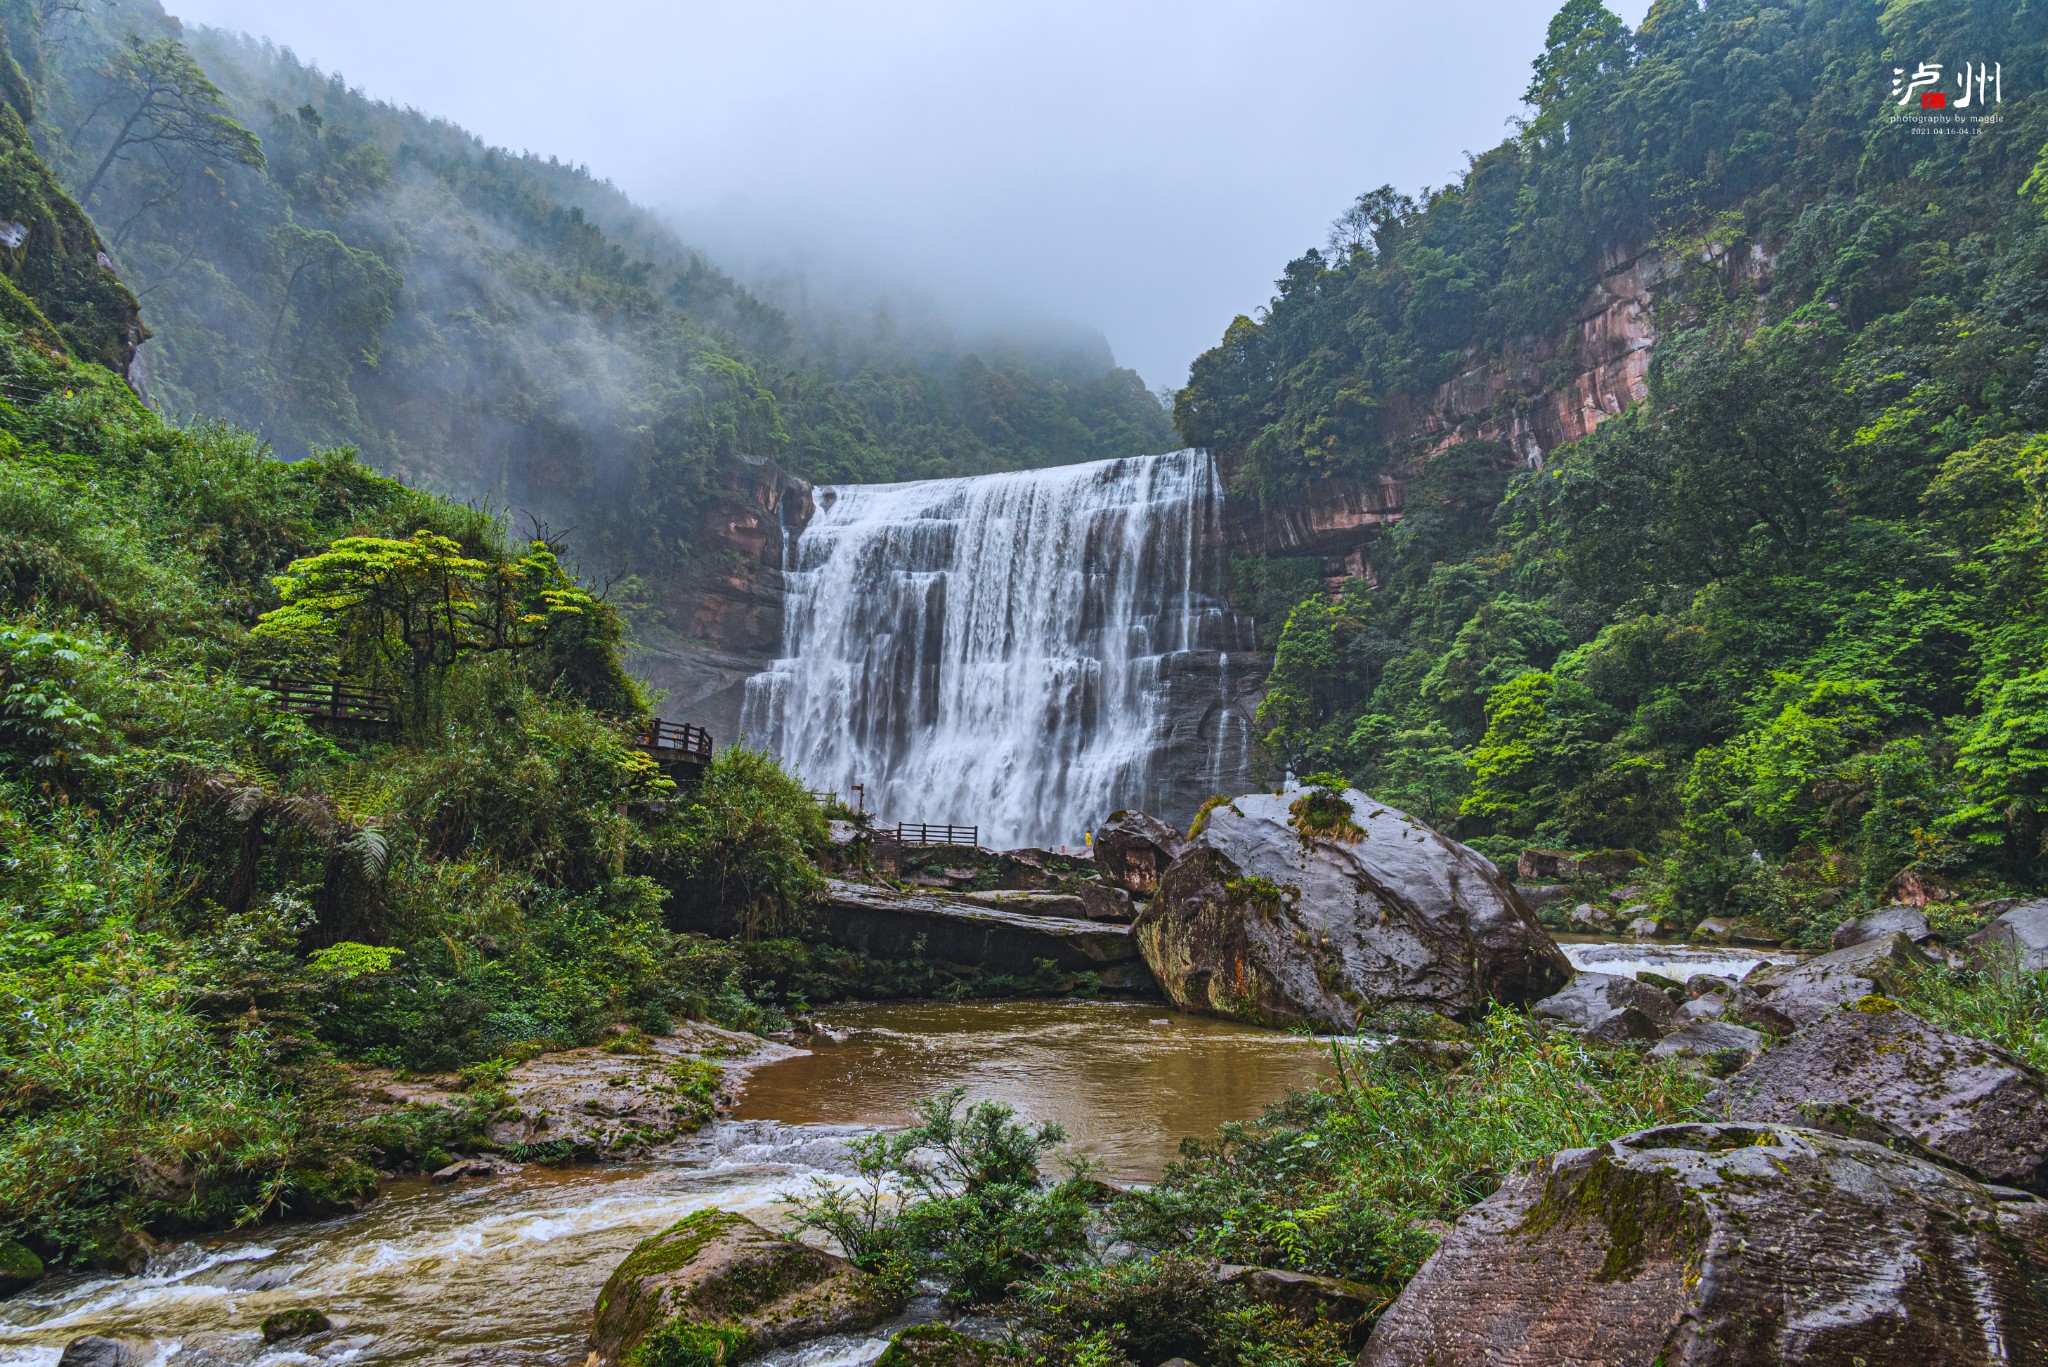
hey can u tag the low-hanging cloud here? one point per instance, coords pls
(1143, 168)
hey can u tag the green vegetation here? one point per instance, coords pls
(207, 903)
(956, 1198)
(1354, 1181)
(1779, 628)
(1994, 1000)
(325, 270)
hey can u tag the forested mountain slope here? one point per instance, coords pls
(208, 902)
(1780, 626)
(330, 271)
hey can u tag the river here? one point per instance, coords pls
(505, 1271)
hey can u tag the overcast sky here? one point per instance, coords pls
(1143, 168)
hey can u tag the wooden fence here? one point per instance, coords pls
(335, 704)
(677, 741)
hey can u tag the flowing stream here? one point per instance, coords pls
(506, 1271)
(1022, 652)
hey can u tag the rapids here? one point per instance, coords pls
(1022, 652)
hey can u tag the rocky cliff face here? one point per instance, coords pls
(721, 621)
(60, 290)
(1538, 394)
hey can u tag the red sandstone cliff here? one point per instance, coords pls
(1538, 394)
(721, 620)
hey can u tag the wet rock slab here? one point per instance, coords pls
(900, 925)
(619, 1100)
(1782, 997)
(1732, 1245)
(1885, 1074)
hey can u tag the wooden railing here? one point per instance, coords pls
(335, 703)
(922, 833)
(671, 740)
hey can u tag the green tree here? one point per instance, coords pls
(383, 608)
(160, 105)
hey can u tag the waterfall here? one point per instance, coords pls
(1025, 652)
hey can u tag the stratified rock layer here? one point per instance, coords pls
(1132, 850)
(1261, 922)
(1730, 1245)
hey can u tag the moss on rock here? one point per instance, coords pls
(715, 1287)
(938, 1345)
(19, 1267)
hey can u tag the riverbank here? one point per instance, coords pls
(510, 1263)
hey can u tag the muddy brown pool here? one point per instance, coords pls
(1127, 1080)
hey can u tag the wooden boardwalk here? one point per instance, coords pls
(336, 706)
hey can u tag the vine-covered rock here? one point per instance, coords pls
(1282, 914)
(59, 289)
(1882, 1073)
(716, 1287)
(19, 1267)
(938, 1345)
(1736, 1245)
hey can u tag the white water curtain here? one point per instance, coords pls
(991, 651)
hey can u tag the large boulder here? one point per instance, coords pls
(1782, 997)
(1910, 922)
(1735, 1245)
(1132, 850)
(717, 1287)
(1262, 921)
(1880, 1072)
(1716, 1046)
(1610, 1008)
(2023, 932)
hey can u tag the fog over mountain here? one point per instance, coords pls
(1140, 172)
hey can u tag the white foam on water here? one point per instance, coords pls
(1628, 958)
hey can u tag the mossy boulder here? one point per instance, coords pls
(939, 1345)
(1271, 918)
(1876, 1071)
(1737, 1245)
(717, 1288)
(19, 1267)
(1781, 998)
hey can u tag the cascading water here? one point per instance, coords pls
(1024, 652)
